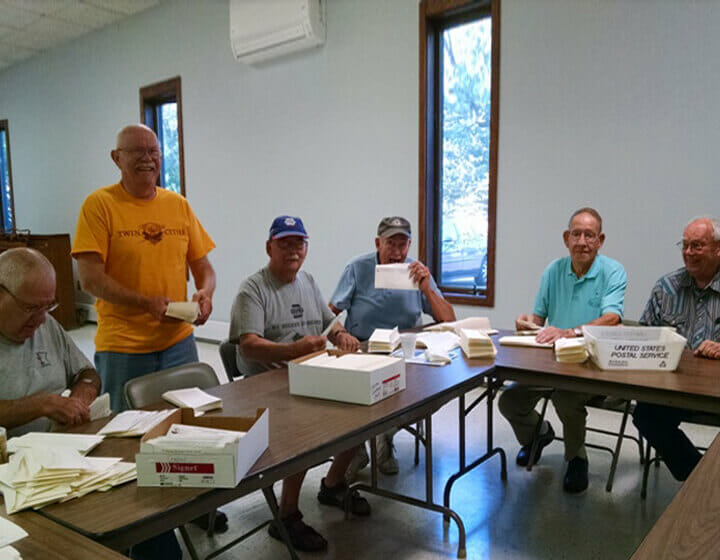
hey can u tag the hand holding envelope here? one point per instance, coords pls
(187, 311)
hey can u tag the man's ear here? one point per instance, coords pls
(601, 239)
(115, 156)
(377, 243)
(267, 247)
(566, 238)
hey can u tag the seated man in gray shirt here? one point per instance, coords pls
(278, 315)
(38, 360)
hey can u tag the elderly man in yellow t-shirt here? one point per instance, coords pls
(133, 243)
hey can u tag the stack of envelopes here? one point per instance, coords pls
(384, 341)
(476, 344)
(37, 476)
(571, 350)
(82, 443)
(10, 533)
(132, 423)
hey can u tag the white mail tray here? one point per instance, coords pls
(649, 348)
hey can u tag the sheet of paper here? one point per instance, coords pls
(83, 443)
(9, 532)
(9, 553)
(529, 341)
(394, 276)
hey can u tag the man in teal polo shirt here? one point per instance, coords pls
(582, 289)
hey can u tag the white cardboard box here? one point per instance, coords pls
(648, 348)
(224, 469)
(355, 378)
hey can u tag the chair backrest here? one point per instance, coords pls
(228, 353)
(148, 389)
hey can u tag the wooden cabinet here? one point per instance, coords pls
(56, 248)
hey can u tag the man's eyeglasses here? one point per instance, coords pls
(29, 308)
(692, 246)
(137, 153)
(291, 243)
(590, 236)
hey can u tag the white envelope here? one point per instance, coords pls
(394, 276)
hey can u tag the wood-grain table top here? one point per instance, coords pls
(690, 526)
(303, 431)
(695, 383)
(47, 540)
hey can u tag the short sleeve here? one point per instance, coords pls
(74, 361)
(92, 234)
(542, 299)
(426, 307)
(327, 314)
(248, 313)
(200, 242)
(343, 295)
(613, 300)
(652, 315)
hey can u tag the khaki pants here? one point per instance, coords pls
(517, 404)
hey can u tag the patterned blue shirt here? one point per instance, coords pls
(676, 301)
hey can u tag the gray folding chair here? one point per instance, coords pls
(228, 355)
(148, 389)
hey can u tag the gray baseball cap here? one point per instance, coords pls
(392, 226)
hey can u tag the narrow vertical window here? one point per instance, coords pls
(161, 110)
(7, 219)
(458, 154)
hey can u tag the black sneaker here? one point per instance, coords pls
(302, 536)
(335, 496)
(576, 476)
(543, 441)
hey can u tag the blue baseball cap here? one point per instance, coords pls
(285, 226)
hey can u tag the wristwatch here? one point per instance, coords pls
(578, 331)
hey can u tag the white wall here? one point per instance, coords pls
(603, 103)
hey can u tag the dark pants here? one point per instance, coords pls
(659, 425)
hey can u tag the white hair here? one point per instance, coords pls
(714, 222)
(17, 264)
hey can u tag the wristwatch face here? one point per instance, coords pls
(578, 332)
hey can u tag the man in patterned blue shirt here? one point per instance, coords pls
(582, 289)
(689, 300)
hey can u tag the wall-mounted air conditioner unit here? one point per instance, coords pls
(265, 29)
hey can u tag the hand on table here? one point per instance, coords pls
(708, 349)
(66, 410)
(347, 342)
(550, 334)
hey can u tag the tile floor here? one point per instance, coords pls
(529, 517)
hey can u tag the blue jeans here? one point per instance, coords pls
(117, 368)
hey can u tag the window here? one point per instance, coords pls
(7, 218)
(161, 110)
(459, 85)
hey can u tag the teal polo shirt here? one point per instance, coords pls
(568, 301)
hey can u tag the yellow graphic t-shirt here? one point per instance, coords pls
(145, 245)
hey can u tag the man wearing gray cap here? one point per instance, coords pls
(370, 308)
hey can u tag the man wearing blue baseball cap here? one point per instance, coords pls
(278, 315)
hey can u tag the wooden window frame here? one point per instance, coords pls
(4, 125)
(156, 94)
(434, 15)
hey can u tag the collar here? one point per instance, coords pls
(687, 281)
(592, 273)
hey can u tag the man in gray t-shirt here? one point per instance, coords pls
(283, 313)
(279, 315)
(38, 360)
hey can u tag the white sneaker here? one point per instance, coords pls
(387, 463)
(359, 462)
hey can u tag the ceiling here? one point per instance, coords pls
(28, 27)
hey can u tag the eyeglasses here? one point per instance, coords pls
(590, 236)
(29, 308)
(692, 246)
(291, 243)
(137, 153)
